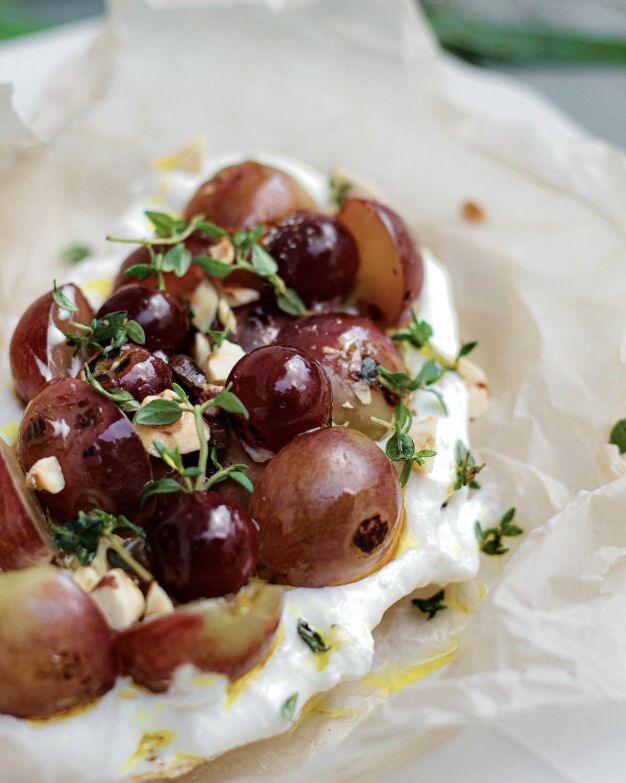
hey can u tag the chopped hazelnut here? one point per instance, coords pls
(181, 435)
(46, 474)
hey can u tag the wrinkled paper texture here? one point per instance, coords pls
(540, 282)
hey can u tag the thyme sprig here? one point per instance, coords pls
(161, 412)
(432, 605)
(113, 329)
(466, 468)
(338, 190)
(250, 255)
(62, 300)
(120, 397)
(402, 384)
(490, 539)
(82, 537)
(400, 447)
(167, 250)
(419, 333)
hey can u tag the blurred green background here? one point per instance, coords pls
(573, 51)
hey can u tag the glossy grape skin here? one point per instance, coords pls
(247, 194)
(164, 321)
(24, 538)
(39, 351)
(349, 348)
(285, 391)
(258, 324)
(316, 255)
(133, 369)
(56, 650)
(202, 545)
(329, 507)
(103, 461)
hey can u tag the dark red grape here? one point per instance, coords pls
(39, 351)
(132, 369)
(258, 324)
(164, 321)
(285, 391)
(103, 461)
(202, 545)
(316, 255)
(350, 348)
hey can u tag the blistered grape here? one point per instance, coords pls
(103, 462)
(329, 507)
(132, 369)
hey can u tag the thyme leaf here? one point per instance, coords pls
(289, 707)
(466, 468)
(432, 605)
(63, 301)
(82, 537)
(312, 638)
(490, 539)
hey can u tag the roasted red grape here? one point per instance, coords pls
(391, 270)
(350, 348)
(56, 650)
(103, 462)
(23, 530)
(164, 321)
(225, 635)
(38, 349)
(329, 507)
(285, 391)
(202, 545)
(246, 194)
(132, 369)
(258, 324)
(316, 255)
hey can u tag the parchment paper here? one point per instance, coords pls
(540, 282)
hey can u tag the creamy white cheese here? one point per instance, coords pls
(130, 732)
